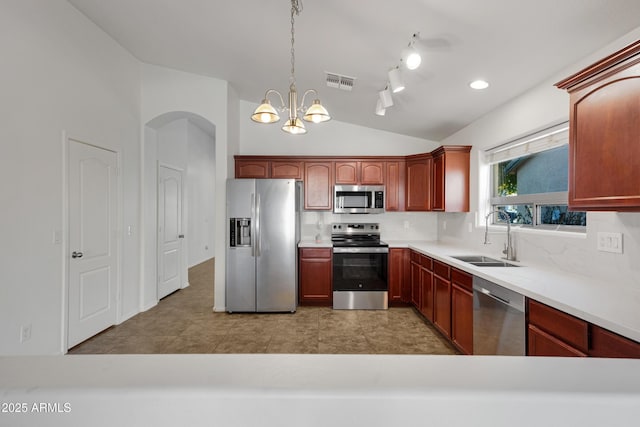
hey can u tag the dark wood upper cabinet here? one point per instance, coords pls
(318, 185)
(372, 173)
(347, 173)
(450, 182)
(412, 183)
(359, 172)
(604, 129)
(287, 169)
(251, 168)
(394, 185)
(418, 188)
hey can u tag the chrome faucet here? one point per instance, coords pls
(508, 249)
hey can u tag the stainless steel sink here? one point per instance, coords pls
(483, 261)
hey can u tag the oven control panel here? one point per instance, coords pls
(355, 228)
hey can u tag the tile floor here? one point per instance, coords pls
(184, 323)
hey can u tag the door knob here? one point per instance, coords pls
(180, 236)
(75, 254)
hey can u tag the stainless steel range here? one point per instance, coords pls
(359, 267)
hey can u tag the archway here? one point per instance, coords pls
(183, 142)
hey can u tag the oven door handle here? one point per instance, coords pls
(360, 250)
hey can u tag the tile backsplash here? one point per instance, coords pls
(393, 225)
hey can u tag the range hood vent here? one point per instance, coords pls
(340, 82)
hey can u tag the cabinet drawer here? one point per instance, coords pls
(570, 329)
(462, 279)
(544, 344)
(426, 262)
(442, 270)
(415, 257)
(315, 253)
(608, 344)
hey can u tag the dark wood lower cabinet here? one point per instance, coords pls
(551, 332)
(462, 311)
(399, 276)
(315, 273)
(541, 343)
(605, 343)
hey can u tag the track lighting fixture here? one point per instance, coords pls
(395, 80)
(410, 55)
(385, 97)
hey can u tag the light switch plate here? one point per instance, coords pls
(610, 242)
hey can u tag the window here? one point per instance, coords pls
(529, 181)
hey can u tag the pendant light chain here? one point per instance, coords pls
(316, 113)
(296, 8)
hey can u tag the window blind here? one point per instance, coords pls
(543, 140)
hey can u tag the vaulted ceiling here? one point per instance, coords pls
(513, 44)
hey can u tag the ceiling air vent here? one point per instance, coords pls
(340, 82)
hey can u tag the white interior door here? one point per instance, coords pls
(169, 230)
(93, 257)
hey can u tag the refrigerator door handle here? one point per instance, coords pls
(258, 243)
(253, 215)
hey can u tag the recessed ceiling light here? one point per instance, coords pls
(478, 84)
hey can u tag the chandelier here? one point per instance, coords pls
(316, 113)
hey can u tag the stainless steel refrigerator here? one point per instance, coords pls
(262, 236)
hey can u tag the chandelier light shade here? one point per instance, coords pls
(265, 113)
(316, 113)
(395, 80)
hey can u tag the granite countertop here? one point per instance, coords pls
(612, 306)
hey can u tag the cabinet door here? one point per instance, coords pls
(397, 260)
(318, 185)
(416, 285)
(442, 305)
(287, 169)
(347, 173)
(315, 277)
(252, 169)
(450, 179)
(371, 173)
(604, 154)
(394, 186)
(427, 293)
(437, 200)
(462, 318)
(418, 197)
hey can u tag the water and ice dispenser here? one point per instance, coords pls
(240, 232)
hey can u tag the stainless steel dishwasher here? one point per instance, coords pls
(498, 320)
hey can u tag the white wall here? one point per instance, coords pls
(332, 138)
(59, 73)
(201, 189)
(167, 92)
(536, 109)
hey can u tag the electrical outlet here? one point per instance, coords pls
(25, 333)
(610, 242)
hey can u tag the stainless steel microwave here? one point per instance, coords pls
(358, 199)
